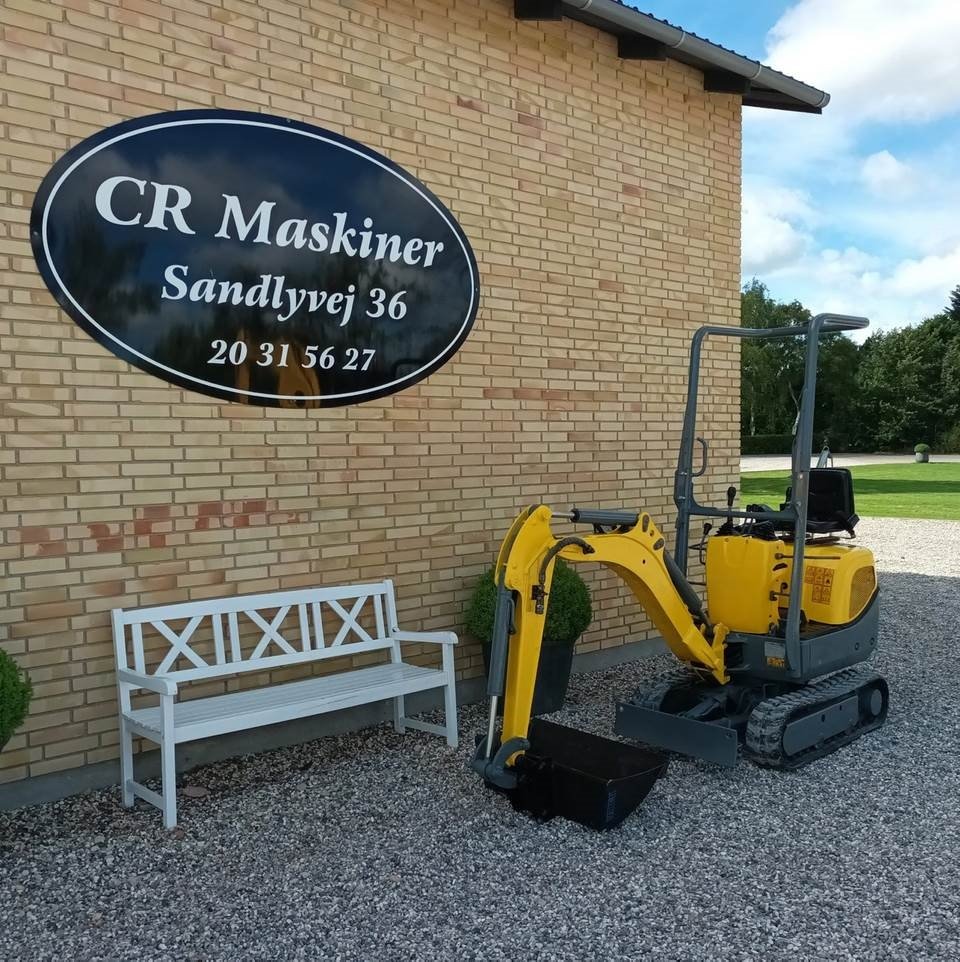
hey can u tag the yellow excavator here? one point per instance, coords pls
(791, 606)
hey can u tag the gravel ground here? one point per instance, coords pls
(378, 846)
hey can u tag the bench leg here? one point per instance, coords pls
(450, 715)
(168, 764)
(126, 764)
(450, 697)
(398, 714)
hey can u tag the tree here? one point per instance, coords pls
(953, 311)
(836, 415)
(950, 382)
(909, 382)
(772, 370)
(899, 388)
(879, 386)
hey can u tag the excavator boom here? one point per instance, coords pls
(635, 549)
(637, 555)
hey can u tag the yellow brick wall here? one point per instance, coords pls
(602, 199)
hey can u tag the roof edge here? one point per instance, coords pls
(622, 19)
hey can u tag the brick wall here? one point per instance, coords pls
(602, 199)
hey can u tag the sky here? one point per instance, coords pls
(857, 210)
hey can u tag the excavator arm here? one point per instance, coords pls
(635, 550)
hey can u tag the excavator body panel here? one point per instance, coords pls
(748, 582)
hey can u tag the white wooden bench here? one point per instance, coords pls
(158, 648)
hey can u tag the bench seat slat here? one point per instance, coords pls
(235, 711)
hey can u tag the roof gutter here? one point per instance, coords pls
(625, 19)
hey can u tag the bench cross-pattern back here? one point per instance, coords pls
(289, 633)
(159, 648)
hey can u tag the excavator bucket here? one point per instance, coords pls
(595, 781)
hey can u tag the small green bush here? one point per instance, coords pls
(15, 694)
(922, 449)
(568, 607)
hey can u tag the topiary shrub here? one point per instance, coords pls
(569, 612)
(922, 449)
(15, 694)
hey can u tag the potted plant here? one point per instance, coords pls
(568, 615)
(921, 453)
(15, 694)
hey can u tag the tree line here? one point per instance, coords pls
(899, 388)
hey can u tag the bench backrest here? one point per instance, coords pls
(225, 636)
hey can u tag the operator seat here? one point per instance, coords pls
(830, 505)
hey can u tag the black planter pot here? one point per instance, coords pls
(553, 676)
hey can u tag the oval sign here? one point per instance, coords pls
(255, 259)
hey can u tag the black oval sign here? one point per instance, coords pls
(255, 259)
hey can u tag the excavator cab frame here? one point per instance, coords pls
(804, 658)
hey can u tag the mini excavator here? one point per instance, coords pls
(767, 662)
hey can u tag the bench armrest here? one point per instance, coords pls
(428, 637)
(161, 686)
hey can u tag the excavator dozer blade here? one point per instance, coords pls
(687, 736)
(595, 781)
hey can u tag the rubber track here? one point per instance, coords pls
(653, 697)
(764, 736)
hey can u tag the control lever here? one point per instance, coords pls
(707, 527)
(727, 526)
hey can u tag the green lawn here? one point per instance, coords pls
(884, 491)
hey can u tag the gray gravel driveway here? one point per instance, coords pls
(781, 462)
(378, 846)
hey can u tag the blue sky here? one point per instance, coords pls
(857, 210)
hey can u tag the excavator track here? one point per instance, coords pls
(792, 730)
(653, 696)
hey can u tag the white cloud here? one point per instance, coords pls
(768, 242)
(780, 142)
(935, 274)
(778, 200)
(877, 232)
(906, 208)
(883, 173)
(853, 281)
(882, 60)
(773, 227)
(852, 260)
